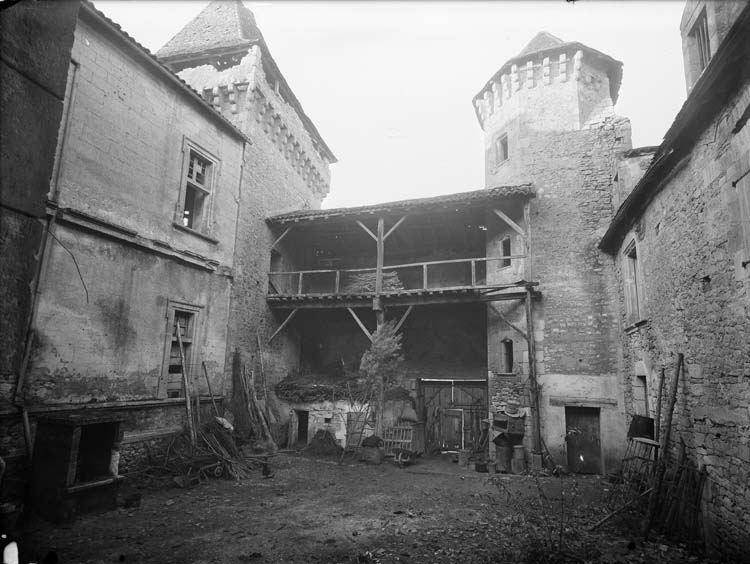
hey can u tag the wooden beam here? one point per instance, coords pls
(403, 318)
(527, 239)
(367, 229)
(381, 254)
(283, 324)
(359, 322)
(395, 226)
(536, 420)
(505, 319)
(510, 222)
(396, 301)
(281, 237)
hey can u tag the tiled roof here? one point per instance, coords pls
(476, 197)
(222, 24)
(227, 25)
(541, 42)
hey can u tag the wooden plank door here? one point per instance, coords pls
(452, 411)
(583, 440)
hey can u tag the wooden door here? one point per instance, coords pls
(583, 440)
(452, 411)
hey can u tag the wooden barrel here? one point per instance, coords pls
(463, 458)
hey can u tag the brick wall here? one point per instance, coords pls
(695, 299)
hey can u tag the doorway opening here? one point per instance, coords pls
(302, 418)
(582, 436)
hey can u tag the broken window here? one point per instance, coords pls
(198, 177)
(181, 318)
(633, 286)
(501, 149)
(505, 252)
(701, 42)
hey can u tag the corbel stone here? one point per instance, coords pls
(563, 67)
(529, 74)
(577, 64)
(497, 95)
(487, 101)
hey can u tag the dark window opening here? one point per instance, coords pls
(701, 40)
(197, 192)
(507, 356)
(501, 149)
(505, 252)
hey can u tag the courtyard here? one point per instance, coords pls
(315, 510)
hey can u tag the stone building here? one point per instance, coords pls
(154, 237)
(680, 241)
(520, 257)
(548, 119)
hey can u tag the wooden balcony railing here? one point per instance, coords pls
(483, 272)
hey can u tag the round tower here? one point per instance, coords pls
(550, 86)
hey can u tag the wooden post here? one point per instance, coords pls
(380, 257)
(424, 276)
(657, 418)
(531, 347)
(376, 302)
(527, 240)
(473, 273)
(299, 284)
(663, 450)
(186, 385)
(208, 384)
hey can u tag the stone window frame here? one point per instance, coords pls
(209, 188)
(633, 284)
(193, 336)
(700, 42)
(743, 195)
(501, 149)
(506, 262)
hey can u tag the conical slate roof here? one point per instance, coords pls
(222, 25)
(541, 42)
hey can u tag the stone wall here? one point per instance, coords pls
(274, 180)
(36, 41)
(695, 300)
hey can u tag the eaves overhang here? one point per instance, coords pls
(727, 70)
(419, 205)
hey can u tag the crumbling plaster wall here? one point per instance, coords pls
(696, 301)
(112, 348)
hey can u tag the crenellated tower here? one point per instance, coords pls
(222, 54)
(548, 119)
(551, 85)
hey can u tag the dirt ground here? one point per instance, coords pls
(314, 510)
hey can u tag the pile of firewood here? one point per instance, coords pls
(364, 282)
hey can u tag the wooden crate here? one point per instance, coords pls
(397, 437)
